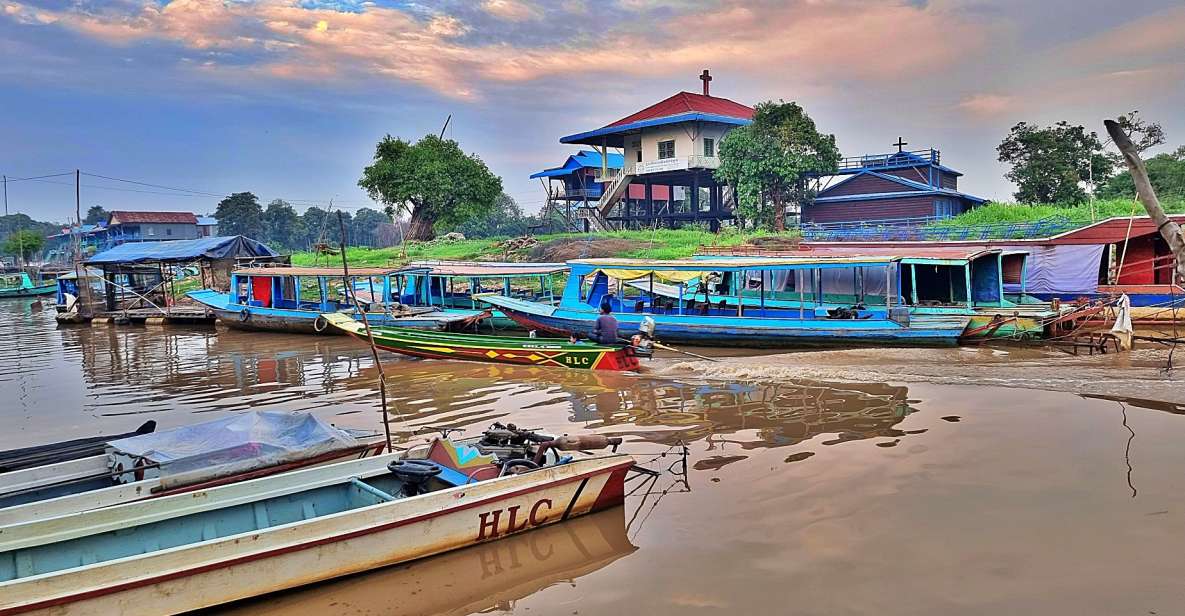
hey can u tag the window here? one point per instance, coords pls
(149, 231)
(945, 208)
(709, 147)
(638, 155)
(168, 231)
(637, 147)
(666, 149)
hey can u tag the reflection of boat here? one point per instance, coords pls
(208, 547)
(682, 320)
(290, 299)
(20, 285)
(494, 574)
(140, 466)
(494, 349)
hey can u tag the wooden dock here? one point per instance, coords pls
(176, 315)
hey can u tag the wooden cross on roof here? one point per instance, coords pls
(705, 77)
(901, 143)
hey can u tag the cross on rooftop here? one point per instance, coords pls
(705, 77)
(901, 143)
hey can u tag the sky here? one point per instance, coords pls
(287, 98)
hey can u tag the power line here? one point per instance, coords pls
(38, 177)
(188, 190)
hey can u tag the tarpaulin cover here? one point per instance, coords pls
(235, 444)
(1063, 268)
(226, 247)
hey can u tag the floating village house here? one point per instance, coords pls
(124, 226)
(898, 187)
(669, 151)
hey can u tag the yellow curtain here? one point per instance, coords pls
(664, 275)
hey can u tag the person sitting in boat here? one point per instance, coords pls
(605, 331)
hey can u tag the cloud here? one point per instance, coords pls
(288, 39)
(988, 104)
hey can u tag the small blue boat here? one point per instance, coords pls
(20, 285)
(682, 319)
(291, 299)
(452, 285)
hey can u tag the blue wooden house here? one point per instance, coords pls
(899, 187)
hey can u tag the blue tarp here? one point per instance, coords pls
(183, 250)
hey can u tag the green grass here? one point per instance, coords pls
(1003, 213)
(657, 244)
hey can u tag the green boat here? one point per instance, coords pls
(20, 285)
(490, 349)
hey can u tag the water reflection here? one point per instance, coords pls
(488, 577)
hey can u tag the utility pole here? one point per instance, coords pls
(6, 195)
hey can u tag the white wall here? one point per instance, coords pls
(688, 138)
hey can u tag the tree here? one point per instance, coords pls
(434, 179)
(1144, 135)
(364, 226)
(95, 215)
(505, 219)
(1166, 173)
(316, 225)
(240, 214)
(1051, 164)
(769, 163)
(25, 243)
(282, 225)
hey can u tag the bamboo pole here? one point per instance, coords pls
(1169, 230)
(369, 335)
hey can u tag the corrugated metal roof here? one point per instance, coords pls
(183, 250)
(687, 102)
(583, 159)
(479, 269)
(327, 271)
(735, 263)
(122, 217)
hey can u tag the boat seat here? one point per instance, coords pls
(462, 464)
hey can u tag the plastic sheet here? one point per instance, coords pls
(230, 445)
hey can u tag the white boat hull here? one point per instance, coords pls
(248, 564)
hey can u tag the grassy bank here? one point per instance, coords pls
(1003, 213)
(658, 244)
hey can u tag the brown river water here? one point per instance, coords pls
(801, 496)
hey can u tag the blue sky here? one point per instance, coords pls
(286, 98)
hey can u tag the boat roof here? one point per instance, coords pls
(729, 263)
(488, 268)
(326, 271)
(910, 253)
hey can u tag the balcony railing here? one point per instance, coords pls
(578, 193)
(663, 165)
(895, 159)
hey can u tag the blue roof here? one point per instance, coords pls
(184, 250)
(583, 159)
(589, 137)
(918, 188)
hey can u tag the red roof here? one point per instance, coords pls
(134, 218)
(687, 102)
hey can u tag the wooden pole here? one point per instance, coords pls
(341, 221)
(1169, 230)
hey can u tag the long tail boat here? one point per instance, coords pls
(20, 285)
(495, 349)
(195, 550)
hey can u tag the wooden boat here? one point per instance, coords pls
(20, 285)
(289, 299)
(41, 455)
(933, 283)
(209, 547)
(246, 446)
(685, 321)
(495, 349)
(452, 285)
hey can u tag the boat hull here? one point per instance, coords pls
(493, 349)
(36, 291)
(249, 564)
(256, 318)
(746, 332)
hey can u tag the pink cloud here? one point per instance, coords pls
(988, 104)
(510, 10)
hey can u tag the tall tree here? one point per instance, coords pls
(24, 243)
(505, 219)
(282, 225)
(771, 161)
(240, 214)
(95, 215)
(365, 225)
(1166, 173)
(316, 226)
(1052, 164)
(434, 179)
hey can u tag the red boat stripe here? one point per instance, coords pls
(613, 470)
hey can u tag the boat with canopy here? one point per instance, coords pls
(491, 349)
(213, 546)
(290, 299)
(452, 285)
(19, 284)
(682, 318)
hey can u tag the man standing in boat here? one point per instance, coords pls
(605, 331)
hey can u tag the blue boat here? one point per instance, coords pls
(292, 299)
(683, 319)
(451, 285)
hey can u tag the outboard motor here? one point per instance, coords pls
(413, 474)
(643, 341)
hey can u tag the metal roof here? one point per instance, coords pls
(584, 159)
(225, 247)
(945, 253)
(614, 135)
(122, 217)
(479, 268)
(728, 263)
(326, 271)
